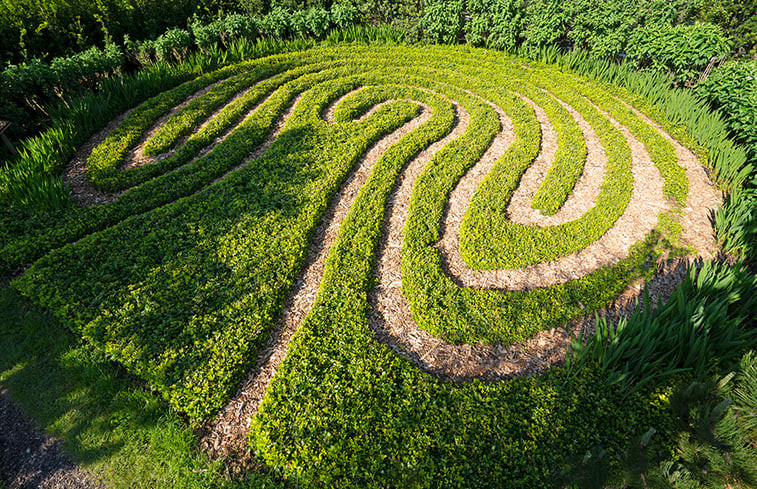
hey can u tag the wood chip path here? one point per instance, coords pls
(390, 318)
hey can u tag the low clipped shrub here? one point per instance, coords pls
(182, 277)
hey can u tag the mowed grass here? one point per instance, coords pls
(108, 420)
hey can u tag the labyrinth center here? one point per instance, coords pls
(457, 207)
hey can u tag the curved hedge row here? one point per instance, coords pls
(183, 276)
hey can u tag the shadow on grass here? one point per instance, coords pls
(109, 421)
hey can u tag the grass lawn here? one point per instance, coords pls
(108, 420)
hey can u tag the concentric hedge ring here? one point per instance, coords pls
(227, 177)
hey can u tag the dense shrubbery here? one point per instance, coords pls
(732, 89)
(682, 51)
(651, 34)
(48, 28)
(30, 88)
(738, 18)
(496, 24)
(442, 21)
(648, 34)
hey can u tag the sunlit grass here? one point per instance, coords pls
(109, 422)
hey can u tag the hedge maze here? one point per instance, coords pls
(396, 224)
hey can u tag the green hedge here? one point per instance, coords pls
(182, 280)
(49, 28)
(344, 410)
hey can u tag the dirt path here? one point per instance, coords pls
(30, 459)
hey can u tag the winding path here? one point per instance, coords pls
(390, 317)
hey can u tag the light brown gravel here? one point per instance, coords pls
(704, 197)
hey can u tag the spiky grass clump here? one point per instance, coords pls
(702, 328)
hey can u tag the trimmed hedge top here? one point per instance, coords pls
(183, 277)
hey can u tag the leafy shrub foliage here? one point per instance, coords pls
(52, 28)
(495, 23)
(27, 89)
(276, 23)
(732, 89)
(738, 18)
(442, 21)
(318, 22)
(344, 15)
(683, 51)
(172, 45)
(224, 30)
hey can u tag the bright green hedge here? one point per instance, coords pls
(181, 279)
(168, 339)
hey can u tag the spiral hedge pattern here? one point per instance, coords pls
(217, 188)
